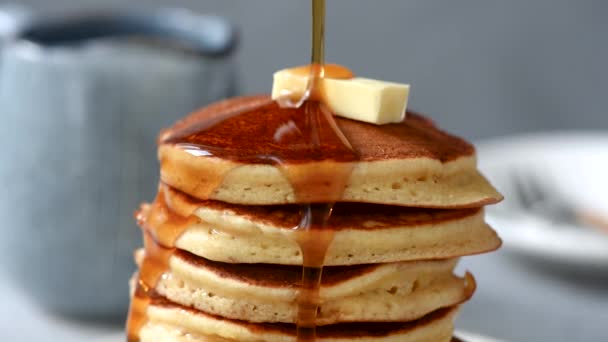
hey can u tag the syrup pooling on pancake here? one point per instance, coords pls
(259, 131)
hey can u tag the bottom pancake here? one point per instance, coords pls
(170, 322)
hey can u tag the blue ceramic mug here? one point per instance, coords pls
(82, 99)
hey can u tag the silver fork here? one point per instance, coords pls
(539, 197)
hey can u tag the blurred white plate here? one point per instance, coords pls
(471, 337)
(575, 165)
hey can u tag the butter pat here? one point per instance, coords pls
(357, 98)
(367, 100)
(290, 84)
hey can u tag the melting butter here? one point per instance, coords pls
(357, 98)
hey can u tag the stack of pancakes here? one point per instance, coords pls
(220, 236)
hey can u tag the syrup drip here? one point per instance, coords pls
(161, 227)
(313, 237)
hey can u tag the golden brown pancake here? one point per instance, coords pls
(268, 293)
(345, 215)
(228, 151)
(416, 137)
(363, 233)
(169, 321)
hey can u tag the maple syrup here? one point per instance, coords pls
(161, 228)
(314, 238)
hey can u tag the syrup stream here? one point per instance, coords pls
(314, 239)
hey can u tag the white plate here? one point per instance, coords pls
(471, 337)
(576, 167)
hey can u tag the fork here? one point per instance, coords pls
(536, 196)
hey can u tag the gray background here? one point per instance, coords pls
(481, 68)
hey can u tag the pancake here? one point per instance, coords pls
(170, 322)
(364, 234)
(268, 293)
(228, 152)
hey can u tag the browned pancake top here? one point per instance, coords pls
(269, 275)
(245, 129)
(344, 216)
(352, 330)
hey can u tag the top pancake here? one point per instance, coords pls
(260, 117)
(244, 150)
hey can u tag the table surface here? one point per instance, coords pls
(514, 302)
